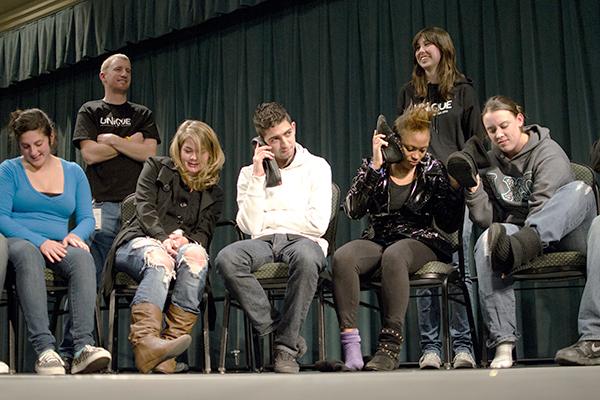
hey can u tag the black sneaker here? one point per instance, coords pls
(91, 359)
(584, 352)
(285, 363)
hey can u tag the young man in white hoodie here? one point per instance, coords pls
(285, 223)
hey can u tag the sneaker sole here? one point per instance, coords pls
(572, 362)
(51, 371)
(101, 362)
(463, 365)
(495, 230)
(460, 169)
(287, 370)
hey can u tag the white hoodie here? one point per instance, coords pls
(300, 205)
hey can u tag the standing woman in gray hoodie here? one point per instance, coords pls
(528, 203)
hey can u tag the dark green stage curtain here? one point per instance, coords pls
(92, 27)
(335, 65)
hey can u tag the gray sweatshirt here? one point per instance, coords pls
(516, 188)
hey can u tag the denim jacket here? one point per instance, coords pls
(431, 197)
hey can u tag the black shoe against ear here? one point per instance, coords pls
(392, 153)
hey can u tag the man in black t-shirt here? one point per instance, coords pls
(115, 137)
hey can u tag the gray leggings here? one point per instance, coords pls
(361, 259)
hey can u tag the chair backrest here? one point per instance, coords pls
(587, 175)
(329, 234)
(127, 208)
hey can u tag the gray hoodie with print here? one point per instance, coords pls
(515, 188)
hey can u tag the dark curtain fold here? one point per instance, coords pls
(335, 65)
(93, 27)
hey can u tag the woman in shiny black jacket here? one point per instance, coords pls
(177, 205)
(401, 199)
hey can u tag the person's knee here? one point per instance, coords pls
(339, 264)
(156, 257)
(315, 257)
(225, 261)
(82, 260)
(24, 254)
(308, 263)
(195, 258)
(594, 232)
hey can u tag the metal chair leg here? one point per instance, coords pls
(446, 325)
(206, 334)
(224, 333)
(321, 324)
(111, 338)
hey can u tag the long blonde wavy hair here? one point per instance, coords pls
(204, 139)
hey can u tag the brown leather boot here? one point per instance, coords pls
(148, 348)
(179, 322)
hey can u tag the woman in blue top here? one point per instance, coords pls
(41, 193)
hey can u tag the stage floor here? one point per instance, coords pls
(547, 382)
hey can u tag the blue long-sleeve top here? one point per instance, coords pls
(28, 214)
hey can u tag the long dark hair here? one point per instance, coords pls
(447, 70)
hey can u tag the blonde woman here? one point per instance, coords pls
(178, 203)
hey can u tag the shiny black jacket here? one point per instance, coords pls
(163, 203)
(431, 196)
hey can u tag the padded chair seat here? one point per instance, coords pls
(122, 279)
(431, 270)
(549, 263)
(276, 270)
(52, 279)
(434, 267)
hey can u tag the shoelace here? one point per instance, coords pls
(85, 353)
(49, 357)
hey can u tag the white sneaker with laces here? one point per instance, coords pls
(503, 357)
(463, 359)
(90, 359)
(49, 363)
(430, 360)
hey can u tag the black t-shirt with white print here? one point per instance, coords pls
(112, 180)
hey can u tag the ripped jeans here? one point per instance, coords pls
(145, 260)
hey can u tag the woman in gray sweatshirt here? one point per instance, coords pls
(528, 203)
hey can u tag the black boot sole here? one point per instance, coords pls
(495, 231)
(463, 169)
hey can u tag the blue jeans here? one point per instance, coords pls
(102, 239)
(100, 244)
(305, 258)
(428, 308)
(77, 267)
(588, 321)
(563, 222)
(149, 264)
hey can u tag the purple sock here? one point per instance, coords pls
(351, 348)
